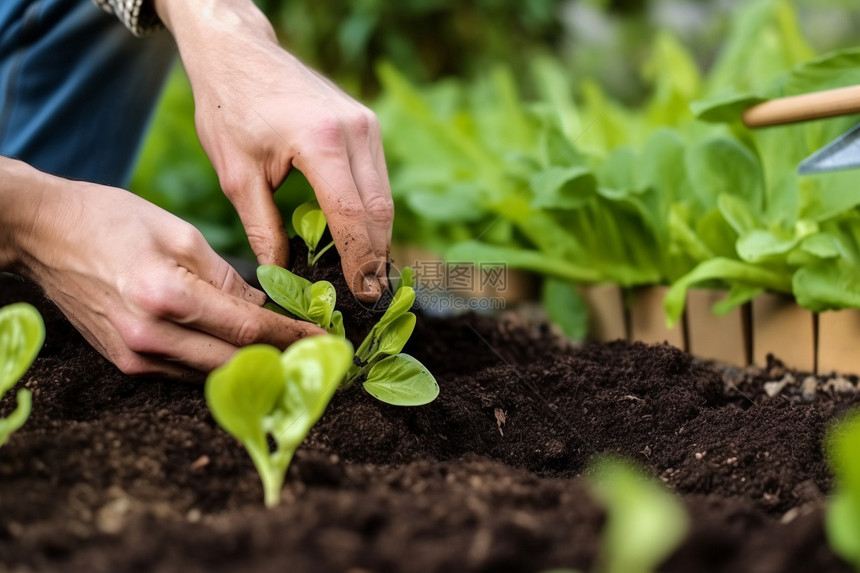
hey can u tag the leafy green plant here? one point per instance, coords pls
(309, 223)
(22, 333)
(388, 374)
(262, 392)
(644, 524)
(843, 514)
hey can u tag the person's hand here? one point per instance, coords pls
(259, 112)
(142, 286)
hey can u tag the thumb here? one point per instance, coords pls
(255, 205)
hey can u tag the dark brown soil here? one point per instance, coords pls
(116, 474)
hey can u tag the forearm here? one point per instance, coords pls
(21, 190)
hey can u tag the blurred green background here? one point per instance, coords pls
(601, 41)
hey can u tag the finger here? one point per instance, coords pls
(375, 192)
(332, 180)
(255, 204)
(235, 320)
(218, 273)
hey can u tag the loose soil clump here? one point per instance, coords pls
(115, 474)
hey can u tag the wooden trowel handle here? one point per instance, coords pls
(816, 105)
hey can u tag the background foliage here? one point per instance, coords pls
(617, 69)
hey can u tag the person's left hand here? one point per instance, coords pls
(259, 112)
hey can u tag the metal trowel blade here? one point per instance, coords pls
(841, 153)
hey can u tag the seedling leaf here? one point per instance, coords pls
(401, 380)
(262, 392)
(843, 514)
(22, 333)
(394, 336)
(644, 522)
(309, 222)
(321, 301)
(286, 289)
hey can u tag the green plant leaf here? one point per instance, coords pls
(723, 270)
(644, 522)
(243, 392)
(525, 259)
(563, 188)
(407, 278)
(565, 307)
(337, 328)
(842, 522)
(287, 289)
(313, 368)
(394, 336)
(263, 392)
(22, 333)
(321, 300)
(402, 381)
(309, 222)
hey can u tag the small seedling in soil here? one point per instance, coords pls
(262, 392)
(644, 522)
(309, 223)
(388, 374)
(22, 333)
(843, 514)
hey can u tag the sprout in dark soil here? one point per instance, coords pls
(644, 522)
(843, 514)
(22, 333)
(388, 374)
(309, 223)
(262, 392)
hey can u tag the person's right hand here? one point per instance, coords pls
(142, 286)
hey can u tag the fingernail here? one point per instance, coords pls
(371, 287)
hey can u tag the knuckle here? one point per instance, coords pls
(329, 133)
(249, 332)
(379, 210)
(131, 364)
(188, 240)
(158, 299)
(350, 208)
(137, 336)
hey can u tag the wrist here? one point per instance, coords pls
(20, 189)
(202, 26)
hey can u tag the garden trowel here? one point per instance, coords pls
(841, 153)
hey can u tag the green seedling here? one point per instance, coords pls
(22, 333)
(302, 299)
(843, 514)
(309, 223)
(388, 374)
(644, 523)
(262, 392)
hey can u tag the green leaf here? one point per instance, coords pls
(244, 391)
(309, 222)
(402, 381)
(525, 259)
(842, 522)
(403, 300)
(565, 307)
(723, 166)
(321, 300)
(22, 333)
(407, 278)
(563, 188)
(285, 288)
(644, 522)
(394, 336)
(722, 270)
(313, 368)
(337, 328)
(726, 107)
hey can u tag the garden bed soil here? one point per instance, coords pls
(118, 474)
